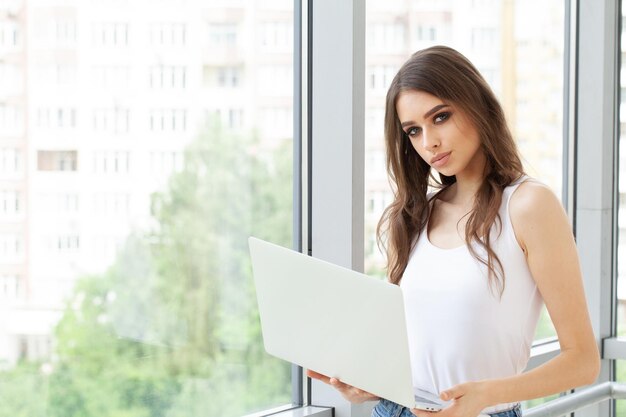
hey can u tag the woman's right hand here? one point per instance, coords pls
(350, 393)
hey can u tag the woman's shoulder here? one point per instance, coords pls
(530, 195)
(533, 207)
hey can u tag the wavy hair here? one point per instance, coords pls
(450, 76)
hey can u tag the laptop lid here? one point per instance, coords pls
(333, 320)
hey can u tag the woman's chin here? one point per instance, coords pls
(445, 172)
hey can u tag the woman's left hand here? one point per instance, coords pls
(468, 400)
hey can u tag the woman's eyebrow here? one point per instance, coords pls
(434, 110)
(426, 115)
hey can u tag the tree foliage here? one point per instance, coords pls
(171, 329)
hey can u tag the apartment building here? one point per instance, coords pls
(98, 101)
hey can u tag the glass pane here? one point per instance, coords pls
(140, 145)
(526, 405)
(520, 54)
(620, 376)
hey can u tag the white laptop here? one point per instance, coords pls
(335, 321)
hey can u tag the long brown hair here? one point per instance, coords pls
(448, 75)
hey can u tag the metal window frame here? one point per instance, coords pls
(336, 149)
(569, 108)
(596, 159)
(297, 385)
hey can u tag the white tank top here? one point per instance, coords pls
(459, 330)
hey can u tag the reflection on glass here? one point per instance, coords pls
(138, 151)
(520, 54)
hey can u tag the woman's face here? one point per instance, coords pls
(440, 133)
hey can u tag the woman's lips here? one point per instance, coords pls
(440, 160)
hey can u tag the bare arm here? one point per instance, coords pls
(545, 235)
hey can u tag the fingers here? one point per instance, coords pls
(345, 388)
(450, 395)
(338, 384)
(349, 392)
(422, 413)
(453, 393)
(317, 375)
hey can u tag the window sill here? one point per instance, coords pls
(288, 411)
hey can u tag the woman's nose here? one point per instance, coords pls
(429, 140)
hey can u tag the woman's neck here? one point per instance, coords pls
(461, 193)
(467, 184)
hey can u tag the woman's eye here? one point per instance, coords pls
(413, 131)
(442, 117)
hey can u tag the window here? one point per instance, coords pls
(54, 29)
(168, 120)
(57, 160)
(110, 34)
(11, 119)
(230, 118)
(124, 210)
(65, 243)
(165, 163)
(222, 76)
(379, 77)
(222, 34)
(10, 287)
(10, 163)
(65, 31)
(228, 76)
(11, 248)
(426, 33)
(276, 36)
(10, 35)
(33, 348)
(166, 76)
(113, 120)
(10, 203)
(55, 117)
(111, 162)
(168, 34)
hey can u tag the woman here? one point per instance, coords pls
(477, 258)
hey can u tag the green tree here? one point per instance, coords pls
(23, 392)
(230, 189)
(171, 329)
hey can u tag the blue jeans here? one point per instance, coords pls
(386, 408)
